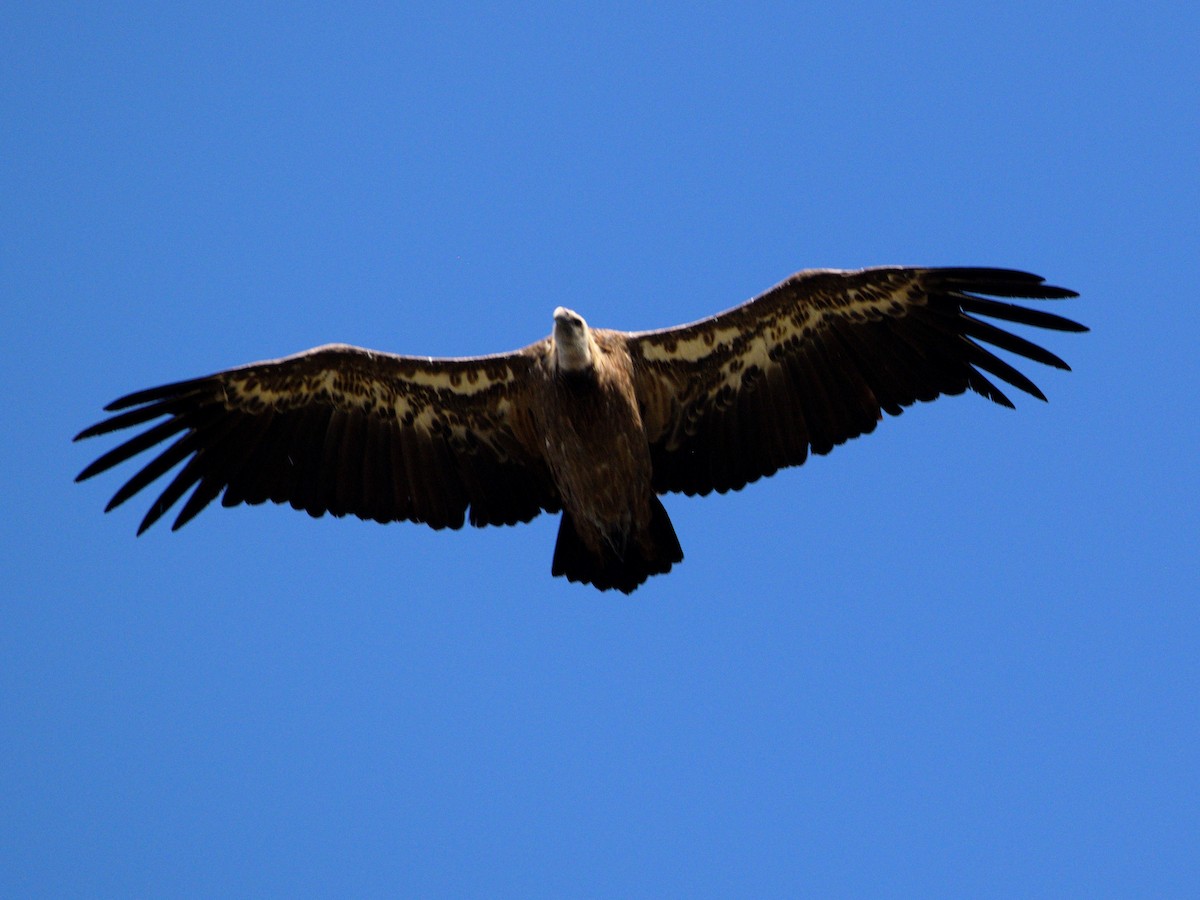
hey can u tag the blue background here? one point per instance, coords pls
(956, 657)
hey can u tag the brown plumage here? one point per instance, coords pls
(593, 422)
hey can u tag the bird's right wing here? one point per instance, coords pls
(342, 430)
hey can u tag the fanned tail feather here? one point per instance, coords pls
(622, 565)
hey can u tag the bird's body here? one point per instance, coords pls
(613, 528)
(593, 422)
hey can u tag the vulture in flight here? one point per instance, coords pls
(588, 421)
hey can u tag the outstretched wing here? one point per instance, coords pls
(342, 430)
(817, 359)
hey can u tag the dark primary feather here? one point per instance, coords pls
(338, 430)
(839, 349)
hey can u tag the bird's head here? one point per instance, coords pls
(572, 342)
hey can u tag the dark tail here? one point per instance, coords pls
(623, 568)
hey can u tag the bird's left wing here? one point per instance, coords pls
(818, 359)
(342, 430)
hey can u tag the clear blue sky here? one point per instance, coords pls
(960, 656)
